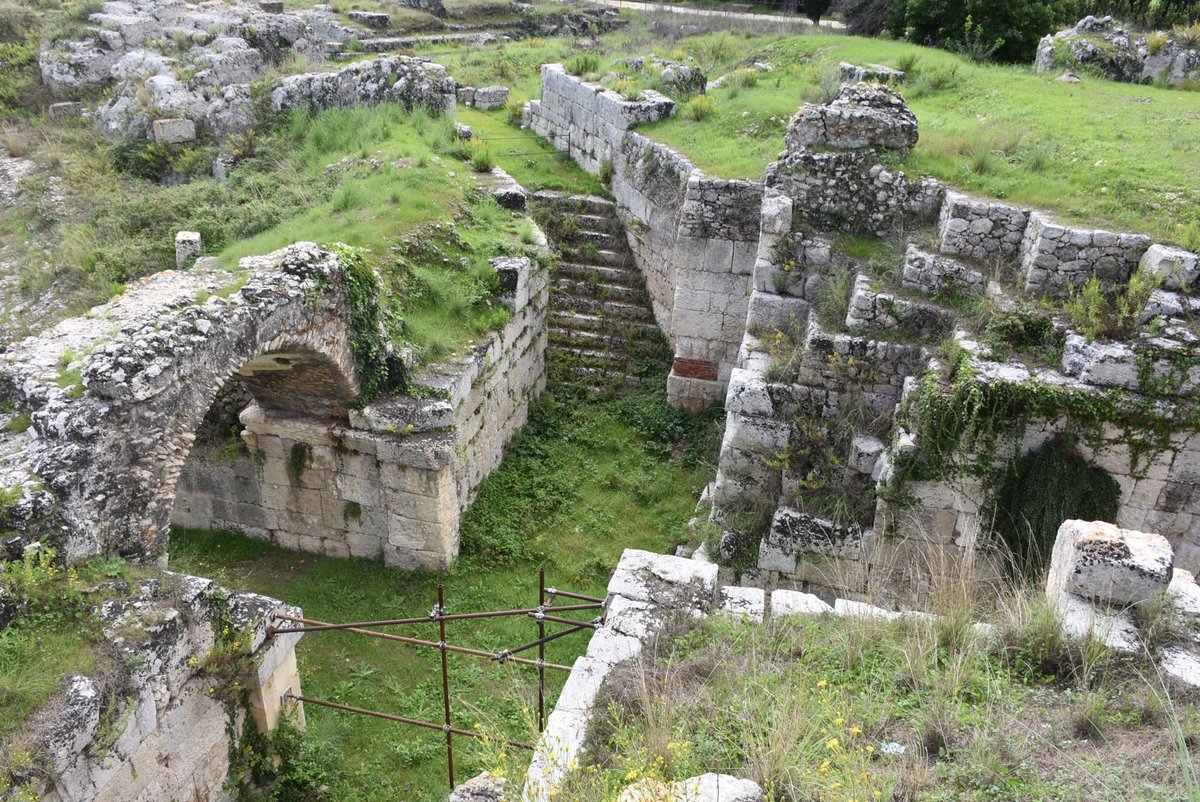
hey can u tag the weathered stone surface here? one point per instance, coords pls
(490, 97)
(1100, 562)
(187, 248)
(981, 229)
(741, 602)
(1100, 44)
(862, 116)
(664, 580)
(1104, 364)
(791, 602)
(800, 533)
(483, 788)
(705, 788)
(372, 19)
(1173, 267)
(1055, 258)
(174, 131)
(937, 275)
(869, 73)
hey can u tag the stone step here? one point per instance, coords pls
(607, 308)
(582, 238)
(598, 256)
(594, 380)
(581, 322)
(608, 223)
(580, 204)
(625, 276)
(603, 291)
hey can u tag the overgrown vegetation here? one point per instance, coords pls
(819, 707)
(1038, 492)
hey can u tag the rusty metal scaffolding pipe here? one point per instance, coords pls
(414, 722)
(419, 642)
(428, 619)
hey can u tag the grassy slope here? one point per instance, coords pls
(1117, 154)
(577, 486)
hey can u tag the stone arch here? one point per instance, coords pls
(112, 448)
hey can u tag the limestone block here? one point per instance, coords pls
(855, 609)
(514, 273)
(1100, 562)
(490, 97)
(372, 19)
(271, 6)
(742, 602)
(174, 130)
(1104, 364)
(1181, 665)
(187, 248)
(664, 580)
(800, 533)
(791, 602)
(1114, 628)
(705, 788)
(611, 647)
(1174, 267)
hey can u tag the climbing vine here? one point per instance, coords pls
(379, 369)
(964, 418)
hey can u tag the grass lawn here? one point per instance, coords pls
(578, 485)
(1098, 152)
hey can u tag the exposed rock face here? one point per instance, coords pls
(1101, 44)
(862, 116)
(227, 110)
(872, 73)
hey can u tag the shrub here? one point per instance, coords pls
(699, 107)
(1097, 312)
(907, 62)
(868, 17)
(1156, 42)
(628, 89)
(583, 64)
(1042, 489)
(515, 108)
(481, 160)
(605, 173)
(1187, 35)
(745, 78)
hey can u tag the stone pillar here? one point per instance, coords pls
(187, 248)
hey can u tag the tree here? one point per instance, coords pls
(867, 17)
(813, 9)
(1006, 31)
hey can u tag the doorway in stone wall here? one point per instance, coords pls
(1040, 490)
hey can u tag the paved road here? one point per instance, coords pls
(797, 20)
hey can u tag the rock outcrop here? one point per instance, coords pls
(1102, 45)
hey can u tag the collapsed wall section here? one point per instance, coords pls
(693, 236)
(393, 480)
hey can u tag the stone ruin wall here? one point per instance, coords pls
(694, 237)
(158, 732)
(372, 487)
(907, 552)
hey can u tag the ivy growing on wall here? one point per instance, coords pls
(379, 369)
(963, 419)
(1041, 490)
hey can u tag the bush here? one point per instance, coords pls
(583, 64)
(1097, 312)
(699, 107)
(628, 89)
(481, 160)
(515, 108)
(1156, 42)
(1187, 35)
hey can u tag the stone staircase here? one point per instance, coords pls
(603, 337)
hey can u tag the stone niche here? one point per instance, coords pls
(391, 481)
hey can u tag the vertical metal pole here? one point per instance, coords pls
(541, 651)
(441, 610)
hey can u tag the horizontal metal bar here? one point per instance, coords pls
(362, 711)
(554, 619)
(566, 594)
(419, 642)
(432, 618)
